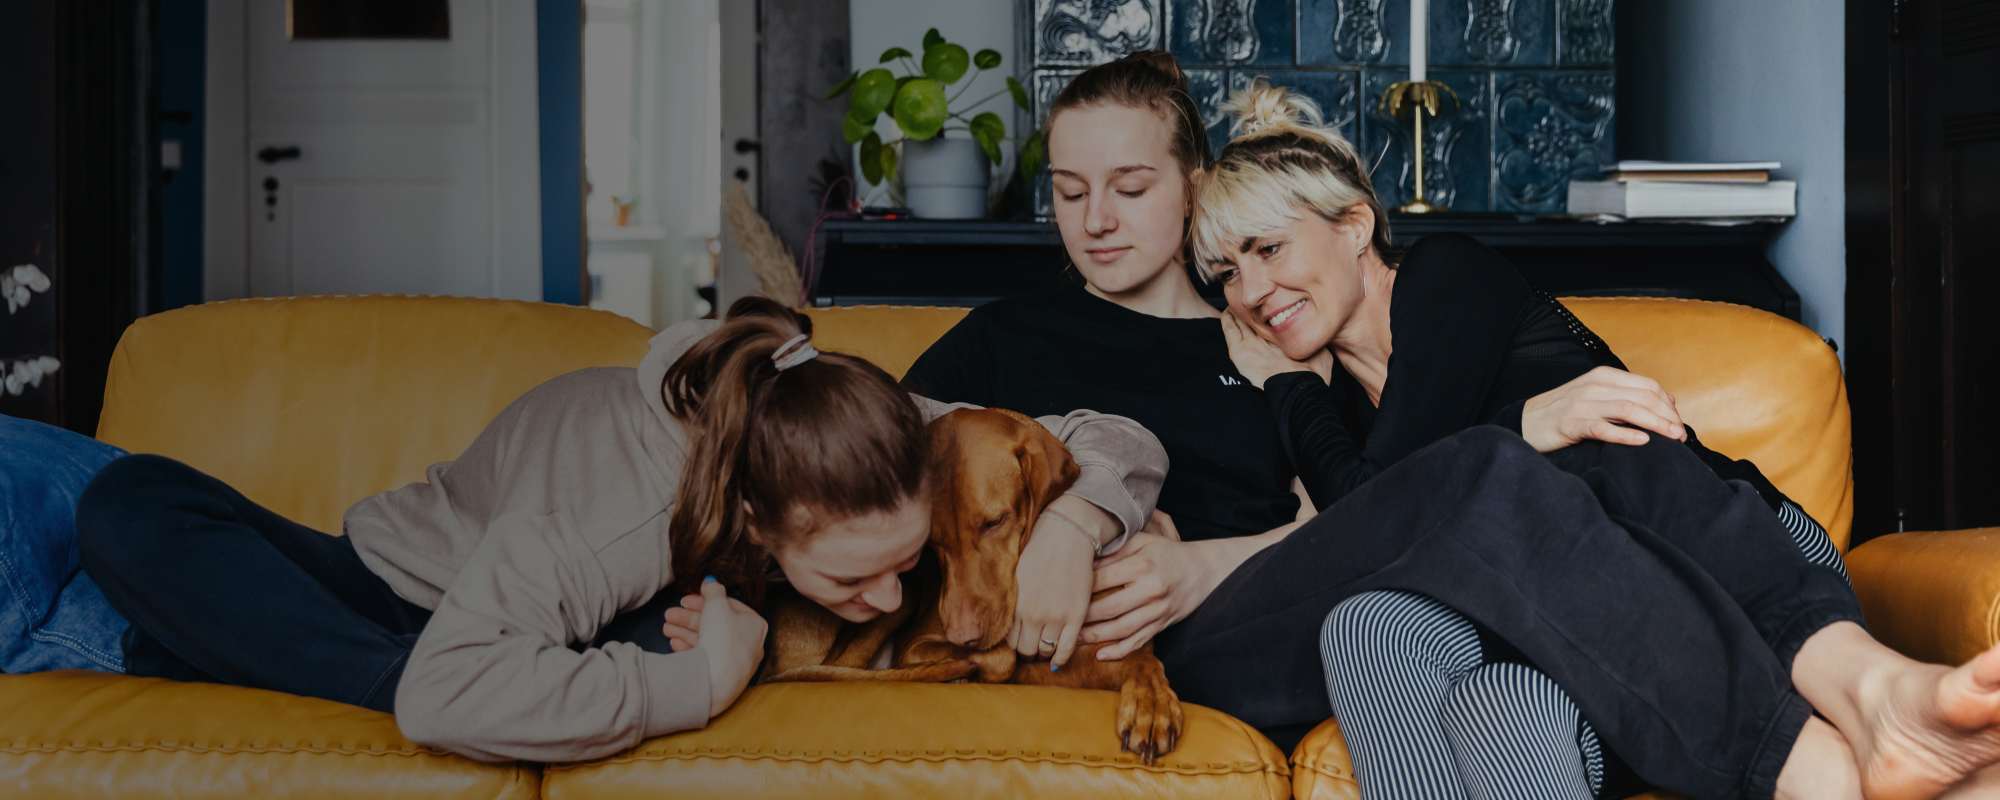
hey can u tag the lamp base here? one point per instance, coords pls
(1418, 207)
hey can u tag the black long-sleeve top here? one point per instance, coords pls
(1472, 342)
(1227, 474)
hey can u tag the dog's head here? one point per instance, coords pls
(992, 472)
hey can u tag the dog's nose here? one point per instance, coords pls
(961, 632)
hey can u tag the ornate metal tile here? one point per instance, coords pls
(1231, 31)
(1584, 33)
(1519, 33)
(1354, 32)
(1549, 127)
(1088, 32)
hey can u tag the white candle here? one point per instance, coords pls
(1420, 27)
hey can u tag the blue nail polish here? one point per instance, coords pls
(709, 579)
(1055, 667)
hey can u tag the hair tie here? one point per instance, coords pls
(795, 351)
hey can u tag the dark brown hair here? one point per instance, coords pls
(1149, 79)
(827, 439)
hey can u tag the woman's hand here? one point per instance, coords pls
(1605, 404)
(1052, 581)
(1153, 581)
(733, 644)
(1259, 359)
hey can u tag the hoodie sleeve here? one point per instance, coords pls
(495, 677)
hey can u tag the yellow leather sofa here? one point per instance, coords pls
(310, 404)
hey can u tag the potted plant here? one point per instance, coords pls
(943, 178)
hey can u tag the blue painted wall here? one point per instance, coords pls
(1536, 78)
(1721, 80)
(559, 58)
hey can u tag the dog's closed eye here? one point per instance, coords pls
(994, 523)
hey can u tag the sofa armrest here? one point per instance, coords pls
(1321, 767)
(1934, 596)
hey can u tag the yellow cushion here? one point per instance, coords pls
(307, 405)
(88, 735)
(872, 740)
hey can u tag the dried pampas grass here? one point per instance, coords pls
(777, 272)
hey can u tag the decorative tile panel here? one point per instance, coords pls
(1524, 127)
(1584, 33)
(1231, 31)
(1457, 146)
(1518, 33)
(1088, 32)
(1550, 127)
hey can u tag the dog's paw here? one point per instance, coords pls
(1149, 716)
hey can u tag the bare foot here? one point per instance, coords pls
(1930, 727)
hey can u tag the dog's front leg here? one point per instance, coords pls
(1149, 713)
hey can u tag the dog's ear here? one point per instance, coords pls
(1047, 470)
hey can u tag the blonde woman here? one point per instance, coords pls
(1287, 221)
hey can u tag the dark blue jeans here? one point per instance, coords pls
(1666, 602)
(220, 589)
(52, 615)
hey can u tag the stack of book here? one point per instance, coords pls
(1685, 190)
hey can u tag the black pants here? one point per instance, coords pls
(220, 589)
(1666, 602)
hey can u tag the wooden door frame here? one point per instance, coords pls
(514, 132)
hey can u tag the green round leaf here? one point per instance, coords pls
(932, 38)
(894, 53)
(889, 164)
(986, 59)
(853, 130)
(919, 108)
(1019, 92)
(988, 130)
(1033, 153)
(841, 87)
(946, 62)
(871, 157)
(872, 93)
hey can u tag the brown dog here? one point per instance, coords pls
(992, 473)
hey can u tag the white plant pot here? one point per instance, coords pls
(945, 178)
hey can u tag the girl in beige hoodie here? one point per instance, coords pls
(471, 603)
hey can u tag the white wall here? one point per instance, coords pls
(1725, 80)
(674, 125)
(877, 25)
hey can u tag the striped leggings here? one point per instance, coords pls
(1427, 714)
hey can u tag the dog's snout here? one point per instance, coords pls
(961, 629)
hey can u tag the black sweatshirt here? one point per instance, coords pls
(1228, 473)
(1473, 341)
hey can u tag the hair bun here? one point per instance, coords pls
(1162, 62)
(1262, 108)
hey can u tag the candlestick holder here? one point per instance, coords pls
(1419, 98)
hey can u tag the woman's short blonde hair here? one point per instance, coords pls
(1281, 162)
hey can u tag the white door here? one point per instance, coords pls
(392, 166)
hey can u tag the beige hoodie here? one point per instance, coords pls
(553, 522)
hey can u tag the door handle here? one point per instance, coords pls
(273, 155)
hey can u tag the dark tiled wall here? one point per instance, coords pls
(1535, 78)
